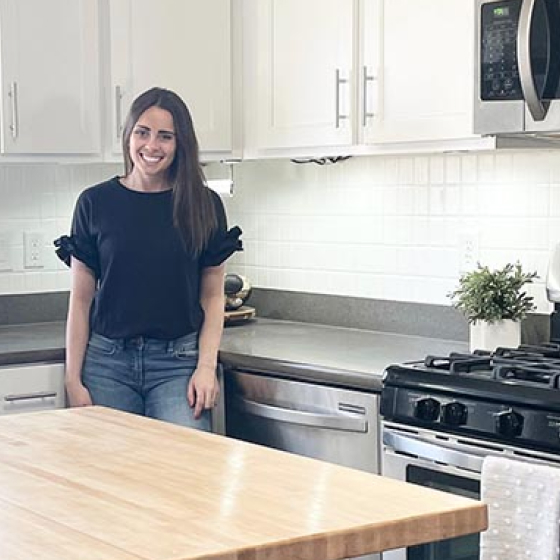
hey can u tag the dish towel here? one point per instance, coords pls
(523, 502)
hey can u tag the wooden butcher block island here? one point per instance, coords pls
(97, 484)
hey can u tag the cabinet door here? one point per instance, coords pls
(423, 65)
(50, 77)
(182, 45)
(303, 73)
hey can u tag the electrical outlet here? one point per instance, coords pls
(33, 249)
(468, 251)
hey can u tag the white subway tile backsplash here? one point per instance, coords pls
(538, 200)
(376, 167)
(437, 170)
(532, 166)
(553, 232)
(421, 171)
(486, 168)
(504, 167)
(452, 201)
(469, 199)
(437, 200)
(387, 227)
(391, 171)
(405, 171)
(452, 169)
(375, 227)
(469, 169)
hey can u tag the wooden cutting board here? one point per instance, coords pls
(241, 315)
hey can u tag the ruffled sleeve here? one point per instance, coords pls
(224, 242)
(81, 244)
(222, 247)
(73, 246)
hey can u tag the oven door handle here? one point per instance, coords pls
(431, 451)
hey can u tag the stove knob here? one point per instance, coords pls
(509, 423)
(426, 409)
(454, 414)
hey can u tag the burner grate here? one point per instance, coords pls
(523, 365)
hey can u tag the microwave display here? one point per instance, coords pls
(498, 64)
(502, 11)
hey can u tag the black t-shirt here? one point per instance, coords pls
(148, 284)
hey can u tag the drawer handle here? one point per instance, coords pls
(31, 396)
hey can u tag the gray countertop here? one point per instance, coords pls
(340, 356)
(334, 355)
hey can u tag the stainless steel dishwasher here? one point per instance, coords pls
(328, 423)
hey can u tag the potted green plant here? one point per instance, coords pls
(494, 303)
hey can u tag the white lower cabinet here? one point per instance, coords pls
(31, 387)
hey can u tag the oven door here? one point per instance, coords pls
(420, 457)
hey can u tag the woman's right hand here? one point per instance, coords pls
(77, 394)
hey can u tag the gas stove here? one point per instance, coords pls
(510, 396)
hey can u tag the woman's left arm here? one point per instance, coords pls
(203, 387)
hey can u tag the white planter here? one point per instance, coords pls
(489, 336)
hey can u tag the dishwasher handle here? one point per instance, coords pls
(303, 418)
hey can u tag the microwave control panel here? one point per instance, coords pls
(499, 73)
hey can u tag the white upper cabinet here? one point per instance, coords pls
(419, 55)
(298, 58)
(50, 77)
(182, 45)
(327, 77)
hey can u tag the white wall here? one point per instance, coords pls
(394, 227)
(375, 227)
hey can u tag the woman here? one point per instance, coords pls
(146, 252)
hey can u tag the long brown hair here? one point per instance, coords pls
(194, 214)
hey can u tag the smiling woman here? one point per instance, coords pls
(146, 254)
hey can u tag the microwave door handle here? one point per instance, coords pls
(536, 107)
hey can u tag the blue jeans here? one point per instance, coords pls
(144, 376)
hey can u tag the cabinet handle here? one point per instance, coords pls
(118, 111)
(366, 78)
(30, 396)
(13, 97)
(339, 82)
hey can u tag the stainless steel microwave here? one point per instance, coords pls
(517, 73)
